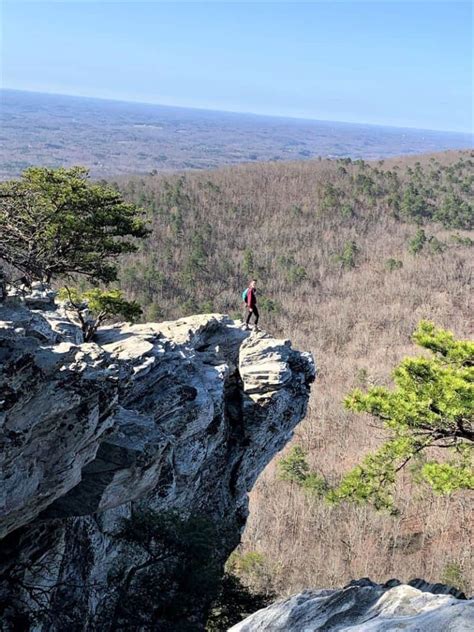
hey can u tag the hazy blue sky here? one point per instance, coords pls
(396, 63)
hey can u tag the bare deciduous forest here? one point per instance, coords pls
(349, 257)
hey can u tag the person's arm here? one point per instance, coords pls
(249, 298)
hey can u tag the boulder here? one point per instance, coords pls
(364, 606)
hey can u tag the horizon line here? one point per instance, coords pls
(234, 112)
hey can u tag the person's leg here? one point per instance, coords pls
(249, 314)
(256, 314)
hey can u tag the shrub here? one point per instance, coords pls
(294, 467)
(415, 245)
(269, 305)
(296, 274)
(393, 264)
(347, 258)
(102, 305)
(462, 241)
(347, 210)
(453, 575)
(414, 206)
(436, 246)
(248, 265)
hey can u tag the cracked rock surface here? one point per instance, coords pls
(180, 415)
(364, 606)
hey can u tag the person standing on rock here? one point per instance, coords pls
(250, 298)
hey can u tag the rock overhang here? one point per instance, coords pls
(142, 396)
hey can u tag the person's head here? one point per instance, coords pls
(253, 283)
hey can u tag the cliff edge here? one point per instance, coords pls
(177, 416)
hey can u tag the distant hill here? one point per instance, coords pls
(113, 137)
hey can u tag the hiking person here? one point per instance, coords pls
(250, 298)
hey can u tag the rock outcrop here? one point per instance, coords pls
(177, 416)
(364, 606)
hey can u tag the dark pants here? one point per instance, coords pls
(249, 315)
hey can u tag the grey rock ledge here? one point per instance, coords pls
(181, 415)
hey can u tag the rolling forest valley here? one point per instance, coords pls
(236, 316)
(349, 257)
(183, 472)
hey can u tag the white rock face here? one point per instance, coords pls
(181, 415)
(56, 400)
(366, 607)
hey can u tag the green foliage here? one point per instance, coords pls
(153, 313)
(269, 305)
(414, 205)
(453, 575)
(421, 241)
(296, 274)
(315, 484)
(253, 568)
(443, 343)
(295, 469)
(176, 572)
(347, 258)
(196, 260)
(189, 307)
(248, 264)
(296, 210)
(101, 305)
(436, 246)
(177, 222)
(206, 307)
(421, 200)
(446, 478)
(330, 197)
(362, 376)
(55, 222)
(347, 210)
(432, 406)
(454, 212)
(462, 241)
(250, 563)
(286, 262)
(415, 245)
(393, 264)
(366, 185)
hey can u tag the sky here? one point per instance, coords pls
(402, 63)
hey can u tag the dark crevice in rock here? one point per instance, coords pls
(234, 408)
(166, 480)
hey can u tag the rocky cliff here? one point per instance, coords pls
(364, 606)
(173, 419)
